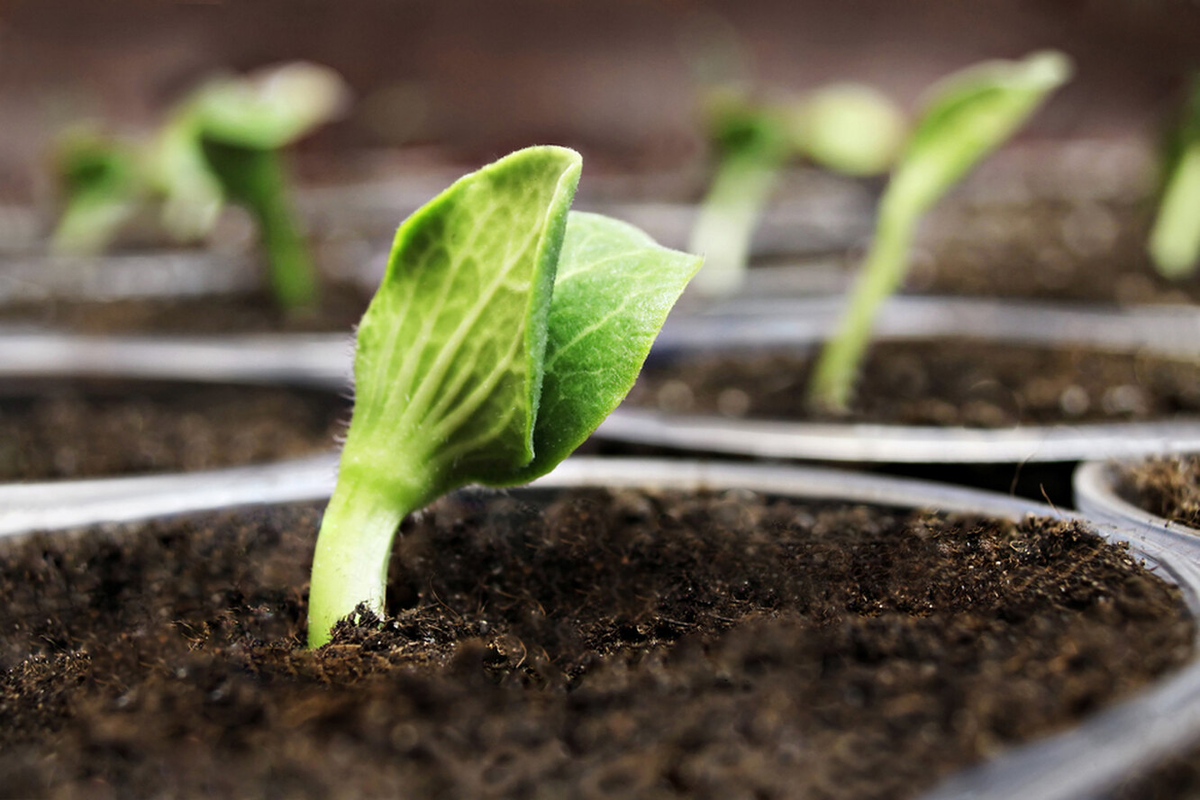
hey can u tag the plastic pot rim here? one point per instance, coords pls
(1095, 482)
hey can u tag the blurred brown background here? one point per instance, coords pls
(609, 78)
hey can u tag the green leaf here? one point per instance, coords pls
(614, 289)
(969, 114)
(270, 108)
(449, 361)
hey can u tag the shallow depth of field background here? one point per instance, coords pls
(476, 79)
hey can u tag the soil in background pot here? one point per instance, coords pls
(1168, 487)
(943, 382)
(1175, 779)
(342, 306)
(608, 645)
(1083, 250)
(96, 428)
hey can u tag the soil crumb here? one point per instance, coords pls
(932, 382)
(94, 428)
(603, 644)
(1168, 487)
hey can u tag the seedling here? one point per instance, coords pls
(505, 329)
(968, 115)
(102, 183)
(847, 128)
(223, 144)
(1175, 240)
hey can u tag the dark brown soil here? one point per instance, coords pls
(940, 382)
(342, 306)
(613, 645)
(1175, 779)
(75, 430)
(1168, 487)
(1085, 250)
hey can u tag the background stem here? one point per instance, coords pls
(1175, 240)
(254, 178)
(881, 274)
(728, 217)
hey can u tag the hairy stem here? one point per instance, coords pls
(885, 266)
(353, 548)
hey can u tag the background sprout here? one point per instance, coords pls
(192, 196)
(849, 128)
(102, 185)
(967, 116)
(1174, 242)
(751, 143)
(223, 143)
(844, 127)
(504, 331)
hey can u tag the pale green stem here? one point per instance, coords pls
(255, 179)
(832, 382)
(728, 217)
(90, 223)
(353, 548)
(293, 276)
(1175, 241)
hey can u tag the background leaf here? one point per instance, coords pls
(969, 114)
(270, 108)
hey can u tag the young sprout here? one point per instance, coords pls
(751, 144)
(967, 116)
(843, 127)
(222, 145)
(505, 329)
(1175, 240)
(102, 184)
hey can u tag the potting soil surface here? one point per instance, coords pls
(1091, 250)
(341, 307)
(936, 382)
(620, 644)
(1168, 487)
(1174, 779)
(89, 429)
